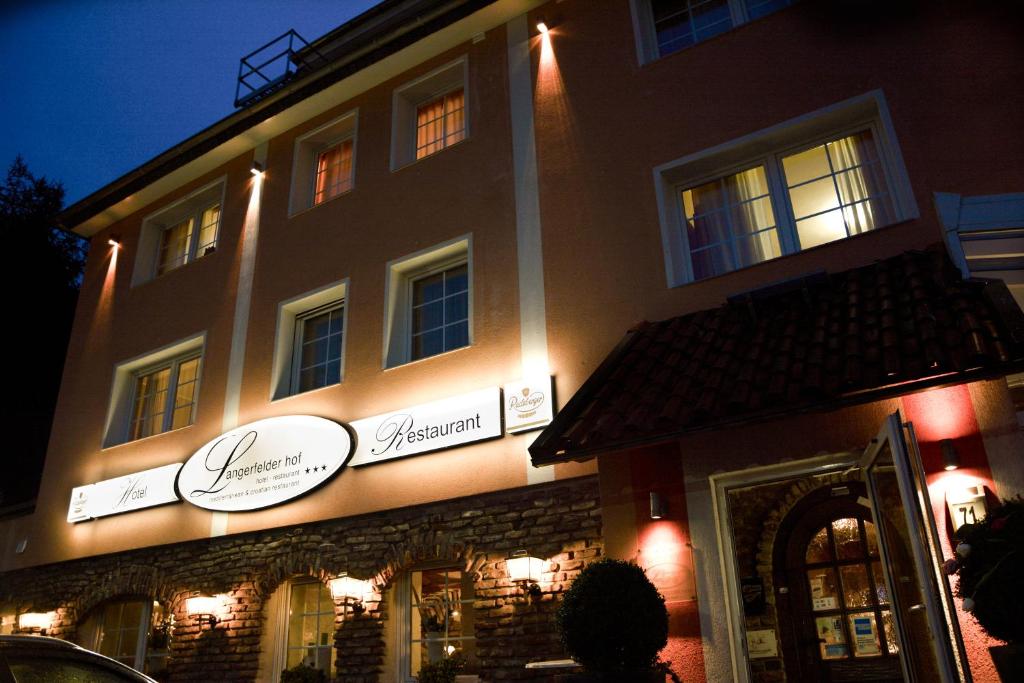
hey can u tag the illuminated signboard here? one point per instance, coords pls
(264, 463)
(124, 494)
(529, 404)
(429, 427)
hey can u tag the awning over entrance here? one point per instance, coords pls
(816, 343)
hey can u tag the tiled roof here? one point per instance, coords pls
(820, 342)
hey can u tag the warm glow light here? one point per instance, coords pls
(345, 586)
(522, 567)
(114, 241)
(202, 605)
(36, 620)
(257, 168)
(542, 27)
(939, 414)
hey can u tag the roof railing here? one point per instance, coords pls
(267, 69)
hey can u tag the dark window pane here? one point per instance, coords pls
(428, 344)
(456, 336)
(427, 317)
(456, 308)
(428, 289)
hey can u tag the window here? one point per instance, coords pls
(430, 114)
(155, 393)
(318, 336)
(667, 26)
(310, 637)
(134, 632)
(438, 620)
(324, 165)
(822, 178)
(310, 349)
(429, 300)
(179, 234)
(440, 311)
(165, 398)
(440, 122)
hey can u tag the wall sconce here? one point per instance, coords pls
(114, 241)
(525, 570)
(542, 26)
(950, 458)
(659, 506)
(203, 607)
(351, 591)
(36, 621)
(256, 168)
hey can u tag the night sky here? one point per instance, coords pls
(94, 88)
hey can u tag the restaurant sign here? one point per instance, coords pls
(124, 494)
(264, 463)
(429, 427)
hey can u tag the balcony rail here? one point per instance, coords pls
(268, 68)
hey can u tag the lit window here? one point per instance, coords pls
(333, 172)
(832, 191)
(440, 123)
(429, 303)
(310, 637)
(318, 337)
(164, 398)
(179, 234)
(134, 632)
(440, 619)
(667, 26)
(182, 242)
(430, 114)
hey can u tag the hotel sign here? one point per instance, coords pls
(429, 427)
(124, 494)
(264, 463)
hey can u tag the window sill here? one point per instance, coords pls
(427, 358)
(414, 162)
(307, 209)
(151, 437)
(170, 273)
(308, 392)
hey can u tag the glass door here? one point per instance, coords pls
(931, 648)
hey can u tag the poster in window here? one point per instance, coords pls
(831, 637)
(865, 640)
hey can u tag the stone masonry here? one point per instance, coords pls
(560, 522)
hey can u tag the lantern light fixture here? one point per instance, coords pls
(36, 621)
(349, 590)
(526, 570)
(204, 607)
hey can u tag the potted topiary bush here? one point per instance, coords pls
(442, 671)
(989, 565)
(614, 623)
(303, 673)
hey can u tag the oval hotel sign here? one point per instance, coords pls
(264, 463)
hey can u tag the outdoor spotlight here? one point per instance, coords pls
(204, 608)
(542, 26)
(256, 168)
(950, 458)
(114, 241)
(659, 506)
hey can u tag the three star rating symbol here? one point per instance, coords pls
(316, 468)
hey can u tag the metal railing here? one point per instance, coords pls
(268, 68)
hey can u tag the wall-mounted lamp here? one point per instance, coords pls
(203, 607)
(114, 241)
(525, 570)
(950, 458)
(351, 591)
(36, 621)
(659, 506)
(256, 168)
(542, 26)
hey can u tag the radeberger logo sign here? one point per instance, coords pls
(528, 404)
(264, 463)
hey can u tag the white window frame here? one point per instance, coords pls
(274, 643)
(299, 340)
(410, 297)
(407, 99)
(308, 148)
(400, 275)
(117, 428)
(142, 651)
(193, 205)
(647, 37)
(284, 367)
(768, 147)
(170, 402)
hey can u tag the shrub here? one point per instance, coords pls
(613, 620)
(990, 564)
(441, 671)
(303, 673)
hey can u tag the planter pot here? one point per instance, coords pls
(1009, 661)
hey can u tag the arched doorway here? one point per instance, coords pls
(834, 608)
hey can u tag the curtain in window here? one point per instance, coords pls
(754, 222)
(174, 246)
(859, 183)
(333, 172)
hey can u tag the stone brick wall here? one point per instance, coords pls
(560, 522)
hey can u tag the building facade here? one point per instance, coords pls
(316, 341)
